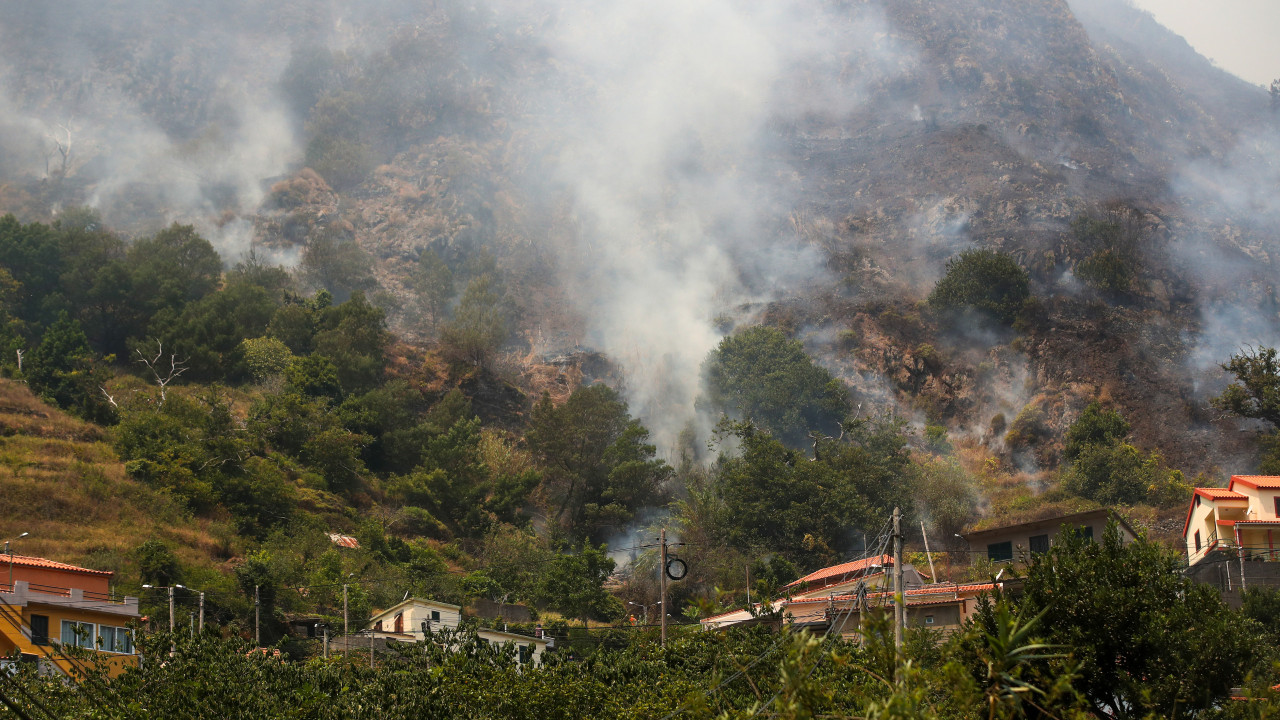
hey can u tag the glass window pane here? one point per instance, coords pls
(68, 636)
(107, 638)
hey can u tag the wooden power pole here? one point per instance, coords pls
(899, 595)
(662, 584)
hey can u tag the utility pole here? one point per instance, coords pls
(662, 584)
(899, 596)
(257, 618)
(928, 554)
(326, 642)
(191, 619)
(345, 630)
(371, 649)
(201, 613)
(172, 647)
(748, 586)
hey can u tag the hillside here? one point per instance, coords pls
(65, 485)
(483, 284)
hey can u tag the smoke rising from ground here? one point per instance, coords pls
(671, 158)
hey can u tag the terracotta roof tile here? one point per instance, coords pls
(38, 562)
(1220, 494)
(835, 573)
(1268, 482)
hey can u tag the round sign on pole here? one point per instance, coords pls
(676, 568)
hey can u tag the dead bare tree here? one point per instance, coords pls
(61, 146)
(107, 395)
(156, 366)
(20, 352)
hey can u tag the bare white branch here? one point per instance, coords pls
(157, 364)
(107, 395)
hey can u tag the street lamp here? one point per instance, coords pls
(170, 588)
(644, 608)
(9, 552)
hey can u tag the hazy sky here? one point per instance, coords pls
(1240, 36)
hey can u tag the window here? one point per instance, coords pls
(78, 633)
(1000, 552)
(1088, 531)
(435, 616)
(114, 639)
(400, 622)
(1039, 543)
(39, 629)
(377, 627)
(1197, 501)
(1197, 541)
(526, 654)
(928, 619)
(1277, 505)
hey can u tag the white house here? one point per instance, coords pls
(408, 620)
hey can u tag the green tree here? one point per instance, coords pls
(157, 565)
(173, 267)
(599, 466)
(773, 497)
(762, 376)
(1106, 469)
(1256, 391)
(984, 280)
(354, 336)
(434, 284)
(337, 264)
(1150, 641)
(574, 585)
(1095, 426)
(266, 357)
(63, 371)
(479, 324)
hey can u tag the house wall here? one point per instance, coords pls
(1021, 537)
(11, 641)
(944, 616)
(1262, 501)
(502, 638)
(51, 577)
(1202, 519)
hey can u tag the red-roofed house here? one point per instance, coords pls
(943, 606)
(872, 572)
(1243, 518)
(48, 605)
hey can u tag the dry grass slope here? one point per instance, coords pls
(61, 482)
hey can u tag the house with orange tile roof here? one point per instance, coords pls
(1241, 520)
(869, 572)
(47, 607)
(938, 606)
(836, 598)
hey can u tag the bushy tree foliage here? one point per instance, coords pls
(1256, 391)
(1150, 641)
(1105, 468)
(479, 324)
(764, 377)
(354, 336)
(573, 584)
(63, 370)
(173, 267)
(434, 283)
(776, 499)
(599, 466)
(987, 281)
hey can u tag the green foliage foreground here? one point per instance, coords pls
(1097, 630)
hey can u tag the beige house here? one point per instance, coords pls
(1014, 543)
(1242, 519)
(410, 620)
